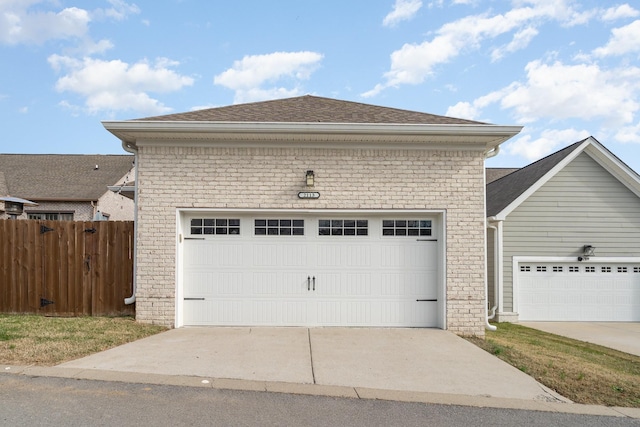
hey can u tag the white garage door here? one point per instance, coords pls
(579, 291)
(295, 270)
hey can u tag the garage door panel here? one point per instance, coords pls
(408, 253)
(341, 253)
(207, 284)
(283, 253)
(344, 285)
(410, 285)
(360, 280)
(578, 292)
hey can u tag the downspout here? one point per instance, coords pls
(130, 148)
(487, 155)
(495, 271)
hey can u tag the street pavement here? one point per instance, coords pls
(49, 401)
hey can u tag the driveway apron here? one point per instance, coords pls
(420, 360)
(621, 336)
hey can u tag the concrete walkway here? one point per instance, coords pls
(417, 365)
(621, 336)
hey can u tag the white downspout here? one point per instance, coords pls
(487, 155)
(487, 325)
(130, 148)
(495, 272)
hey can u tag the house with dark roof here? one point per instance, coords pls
(68, 187)
(563, 238)
(311, 211)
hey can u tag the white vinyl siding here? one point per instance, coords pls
(582, 204)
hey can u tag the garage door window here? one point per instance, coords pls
(343, 227)
(403, 227)
(279, 227)
(220, 226)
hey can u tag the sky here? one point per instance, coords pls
(563, 69)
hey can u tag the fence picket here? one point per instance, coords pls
(82, 272)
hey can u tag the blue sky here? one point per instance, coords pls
(563, 69)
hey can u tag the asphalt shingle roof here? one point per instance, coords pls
(503, 191)
(493, 174)
(309, 109)
(61, 177)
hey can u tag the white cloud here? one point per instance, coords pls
(628, 134)
(520, 40)
(403, 10)
(115, 85)
(19, 24)
(619, 12)
(414, 62)
(35, 22)
(623, 40)
(548, 142)
(119, 10)
(247, 75)
(587, 92)
(473, 111)
(463, 110)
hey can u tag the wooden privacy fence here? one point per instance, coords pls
(66, 268)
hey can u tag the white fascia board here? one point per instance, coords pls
(132, 131)
(502, 215)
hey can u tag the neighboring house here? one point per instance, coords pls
(564, 238)
(311, 211)
(67, 187)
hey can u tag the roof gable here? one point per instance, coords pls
(309, 109)
(508, 192)
(62, 177)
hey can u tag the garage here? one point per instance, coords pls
(310, 269)
(579, 291)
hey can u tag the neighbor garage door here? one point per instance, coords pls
(579, 291)
(297, 270)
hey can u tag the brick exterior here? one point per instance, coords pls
(260, 178)
(118, 207)
(82, 211)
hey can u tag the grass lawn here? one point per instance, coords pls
(39, 340)
(585, 373)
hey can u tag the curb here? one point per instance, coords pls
(321, 390)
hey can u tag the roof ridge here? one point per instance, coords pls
(310, 109)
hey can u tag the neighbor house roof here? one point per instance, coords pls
(308, 109)
(506, 193)
(493, 174)
(61, 177)
(503, 191)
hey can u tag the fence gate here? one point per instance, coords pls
(66, 268)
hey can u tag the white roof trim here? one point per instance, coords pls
(132, 131)
(601, 155)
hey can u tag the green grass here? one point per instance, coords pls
(583, 372)
(38, 340)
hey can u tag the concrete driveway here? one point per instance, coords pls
(622, 336)
(418, 360)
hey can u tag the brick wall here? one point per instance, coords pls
(262, 178)
(82, 211)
